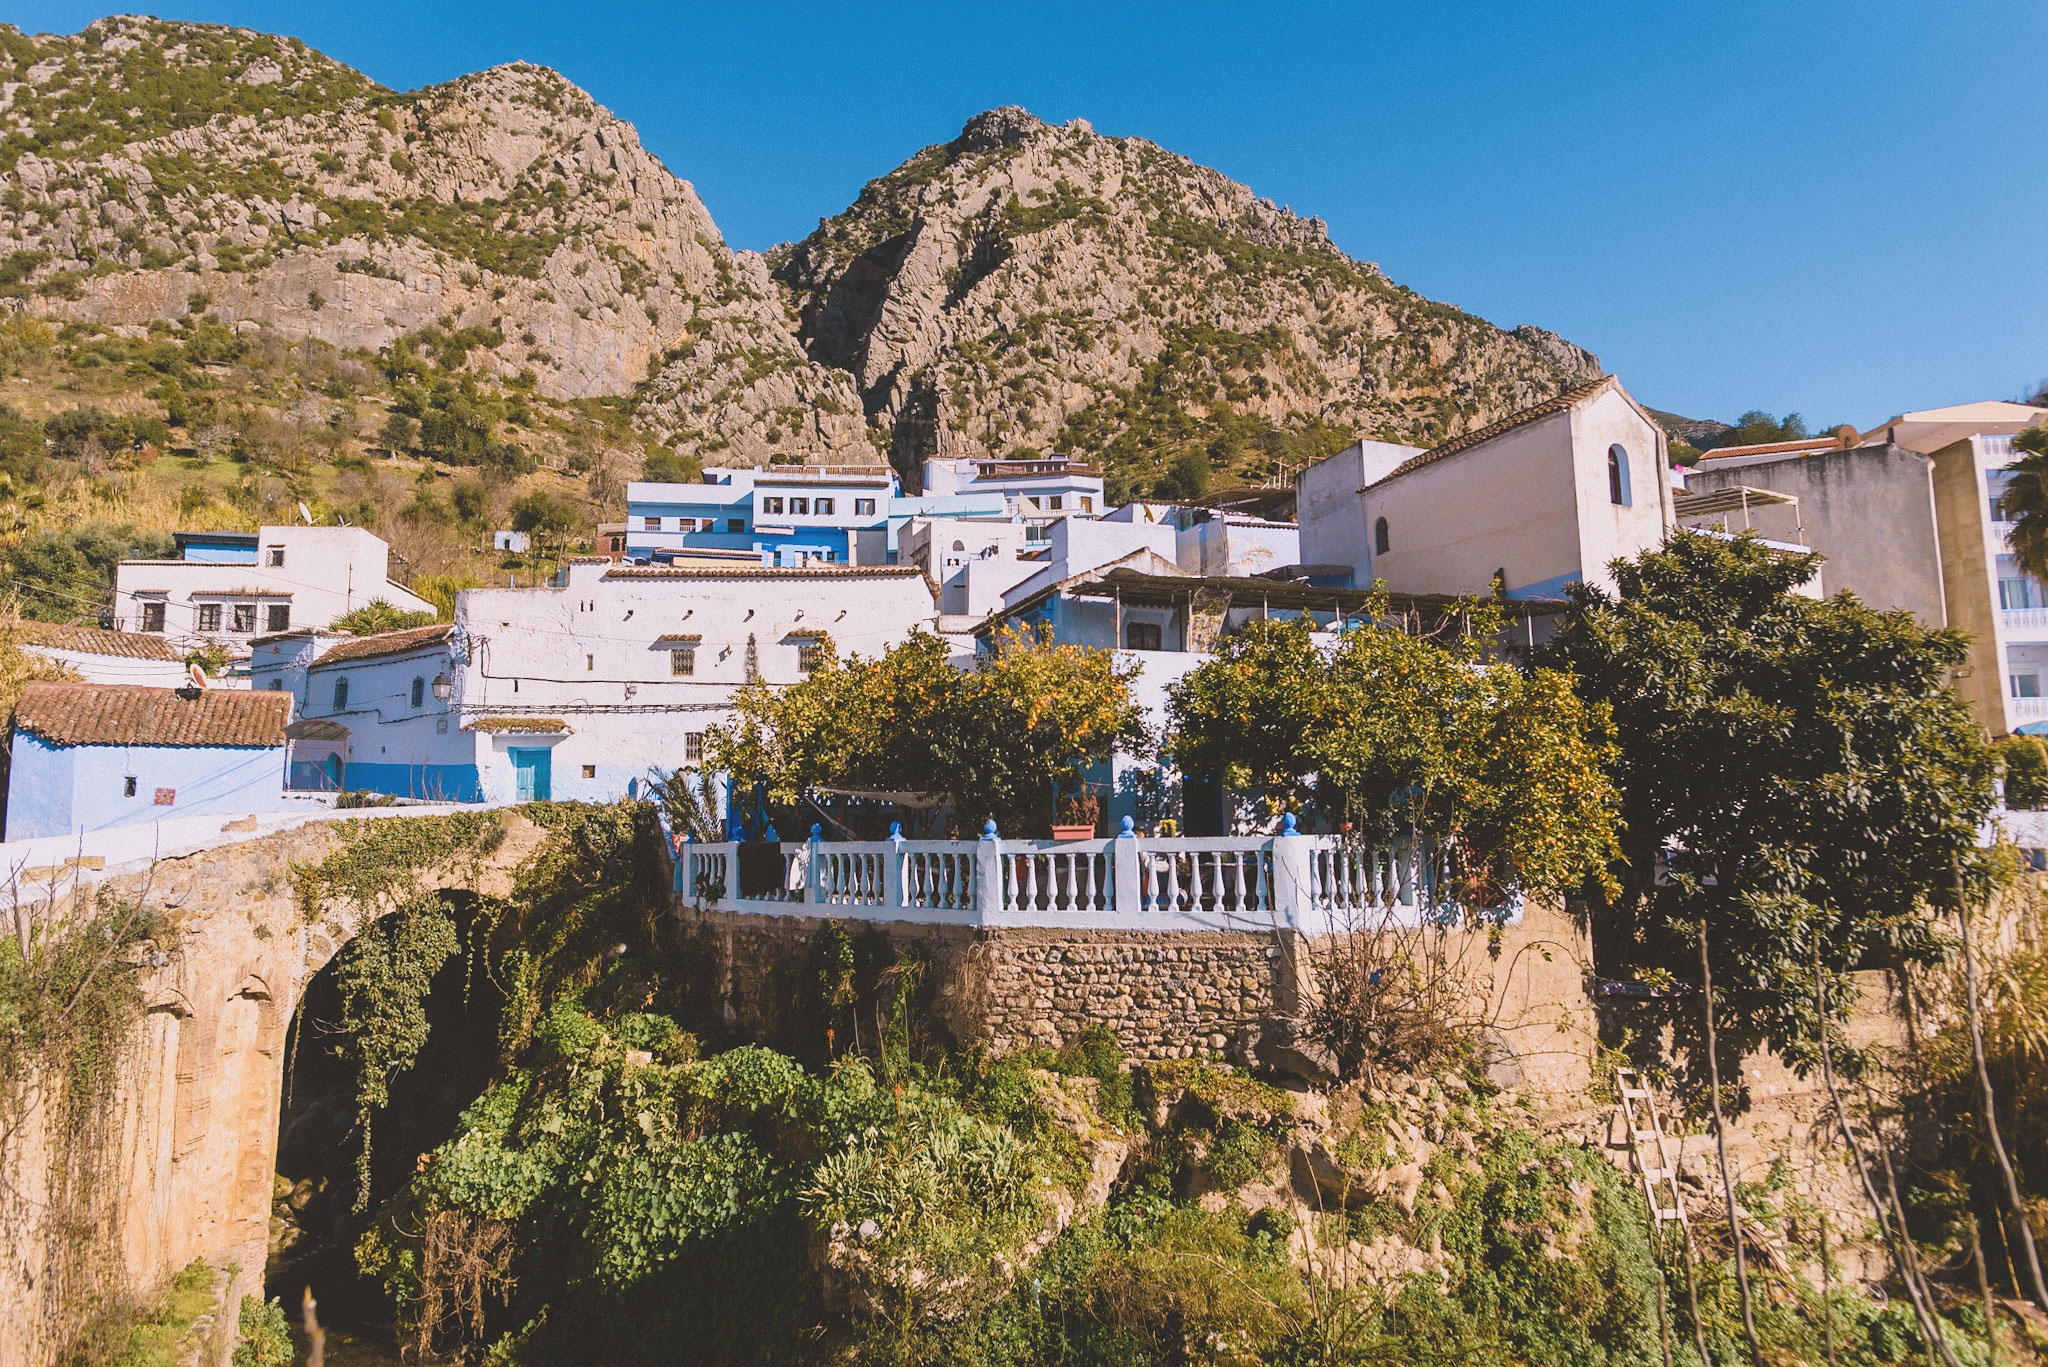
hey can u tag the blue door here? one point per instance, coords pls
(532, 772)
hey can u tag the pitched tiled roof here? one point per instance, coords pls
(385, 643)
(129, 645)
(1571, 398)
(129, 714)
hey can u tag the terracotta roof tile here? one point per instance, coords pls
(1571, 398)
(765, 572)
(129, 714)
(385, 643)
(514, 724)
(128, 645)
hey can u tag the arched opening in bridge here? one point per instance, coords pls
(314, 1223)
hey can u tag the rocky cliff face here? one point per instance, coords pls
(157, 167)
(1022, 287)
(1025, 285)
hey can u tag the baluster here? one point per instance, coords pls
(1173, 881)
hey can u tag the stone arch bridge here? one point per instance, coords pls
(187, 1153)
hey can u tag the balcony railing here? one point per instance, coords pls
(1315, 884)
(2027, 709)
(2023, 619)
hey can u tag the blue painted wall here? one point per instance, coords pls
(431, 782)
(64, 789)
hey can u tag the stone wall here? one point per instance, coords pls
(1171, 994)
(186, 1152)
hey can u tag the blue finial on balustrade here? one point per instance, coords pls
(1130, 829)
(817, 831)
(770, 833)
(988, 829)
(895, 830)
(1287, 825)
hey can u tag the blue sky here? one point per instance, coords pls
(1836, 208)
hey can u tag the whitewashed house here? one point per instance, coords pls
(1542, 499)
(102, 657)
(226, 588)
(582, 689)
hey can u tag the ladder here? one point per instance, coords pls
(1646, 1146)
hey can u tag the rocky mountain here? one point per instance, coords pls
(1020, 288)
(1025, 285)
(155, 168)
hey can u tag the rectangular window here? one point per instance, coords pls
(650, 524)
(771, 507)
(736, 526)
(1141, 636)
(686, 524)
(589, 663)
(1056, 503)
(800, 506)
(244, 619)
(277, 555)
(590, 771)
(1998, 509)
(682, 663)
(2026, 685)
(128, 786)
(278, 617)
(863, 507)
(209, 617)
(277, 685)
(809, 656)
(693, 747)
(153, 616)
(2017, 594)
(1087, 503)
(825, 506)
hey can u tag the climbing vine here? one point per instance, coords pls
(385, 862)
(384, 976)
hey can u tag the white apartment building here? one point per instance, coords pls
(227, 588)
(583, 689)
(1039, 491)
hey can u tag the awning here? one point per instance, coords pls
(316, 728)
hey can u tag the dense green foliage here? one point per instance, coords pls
(379, 615)
(2025, 502)
(164, 1332)
(1395, 734)
(68, 575)
(263, 1340)
(997, 741)
(1787, 767)
(2023, 761)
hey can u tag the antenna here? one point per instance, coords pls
(306, 513)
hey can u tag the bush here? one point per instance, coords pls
(265, 1341)
(2025, 762)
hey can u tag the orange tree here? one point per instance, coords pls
(1503, 770)
(995, 740)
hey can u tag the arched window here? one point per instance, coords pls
(1617, 476)
(959, 545)
(341, 693)
(419, 691)
(1379, 537)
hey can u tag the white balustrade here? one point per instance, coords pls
(1308, 883)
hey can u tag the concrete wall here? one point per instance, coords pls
(1229, 547)
(65, 789)
(1969, 579)
(1326, 501)
(1870, 511)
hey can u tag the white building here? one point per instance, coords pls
(974, 561)
(1038, 490)
(582, 689)
(1542, 499)
(2002, 608)
(102, 657)
(226, 588)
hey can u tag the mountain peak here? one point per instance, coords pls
(1011, 125)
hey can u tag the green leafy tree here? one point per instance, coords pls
(2026, 502)
(399, 433)
(65, 576)
(1502, 770)
(380, 615)
(1787, 767)
(997, 740)
(2024, 761)
(1756, 428)
(545, 518)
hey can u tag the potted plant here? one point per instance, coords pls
(1078, 813)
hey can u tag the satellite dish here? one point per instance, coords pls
(306, 513)
(196, 674)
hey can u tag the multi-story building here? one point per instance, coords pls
(1039, 491)
(788, 515)
(226, 588)
(1542, 499)
(581, 690)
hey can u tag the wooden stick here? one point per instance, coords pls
(1721, 1147)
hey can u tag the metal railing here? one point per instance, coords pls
(1312, 883)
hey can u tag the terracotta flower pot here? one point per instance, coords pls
(1073, 832)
